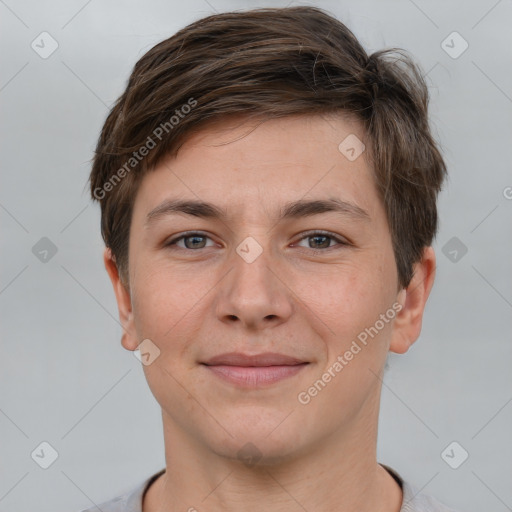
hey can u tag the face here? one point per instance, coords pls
(272, 301)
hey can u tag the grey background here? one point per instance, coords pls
(65, 378)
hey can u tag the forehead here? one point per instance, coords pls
(260, 165)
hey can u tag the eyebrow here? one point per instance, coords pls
(294, 209)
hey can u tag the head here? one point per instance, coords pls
(258, 113)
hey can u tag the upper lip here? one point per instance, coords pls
(265, 359)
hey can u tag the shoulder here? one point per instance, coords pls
(130, 501)
(415, 501)
(117, 504)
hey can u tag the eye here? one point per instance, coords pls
(319, 240)
(191, 240)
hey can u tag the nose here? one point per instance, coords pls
(253, 295)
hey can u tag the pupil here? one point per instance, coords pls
(194, 239)
(325, 237)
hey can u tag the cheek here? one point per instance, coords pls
(166, 301)
(349, 300)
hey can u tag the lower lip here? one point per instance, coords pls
(255, 376)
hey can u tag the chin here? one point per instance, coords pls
(259, 452)
(259, 436)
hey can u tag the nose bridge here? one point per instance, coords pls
(252, 293)
(251, 265)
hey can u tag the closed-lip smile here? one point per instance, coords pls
(254, 370)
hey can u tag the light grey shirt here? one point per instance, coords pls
(413, 501)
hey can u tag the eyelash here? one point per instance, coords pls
(308, 234)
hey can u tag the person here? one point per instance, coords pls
(268, 205)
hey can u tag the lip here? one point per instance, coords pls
(264, 359)
(254, 370)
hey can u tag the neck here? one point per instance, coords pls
(339, 474)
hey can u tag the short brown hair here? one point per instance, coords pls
(269, 63)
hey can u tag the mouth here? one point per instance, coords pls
(252, 371)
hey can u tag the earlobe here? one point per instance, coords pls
(407, 324)
(124, 304)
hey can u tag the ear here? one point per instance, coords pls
(124, 303)
(407, 324)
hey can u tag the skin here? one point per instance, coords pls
(197, 303)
